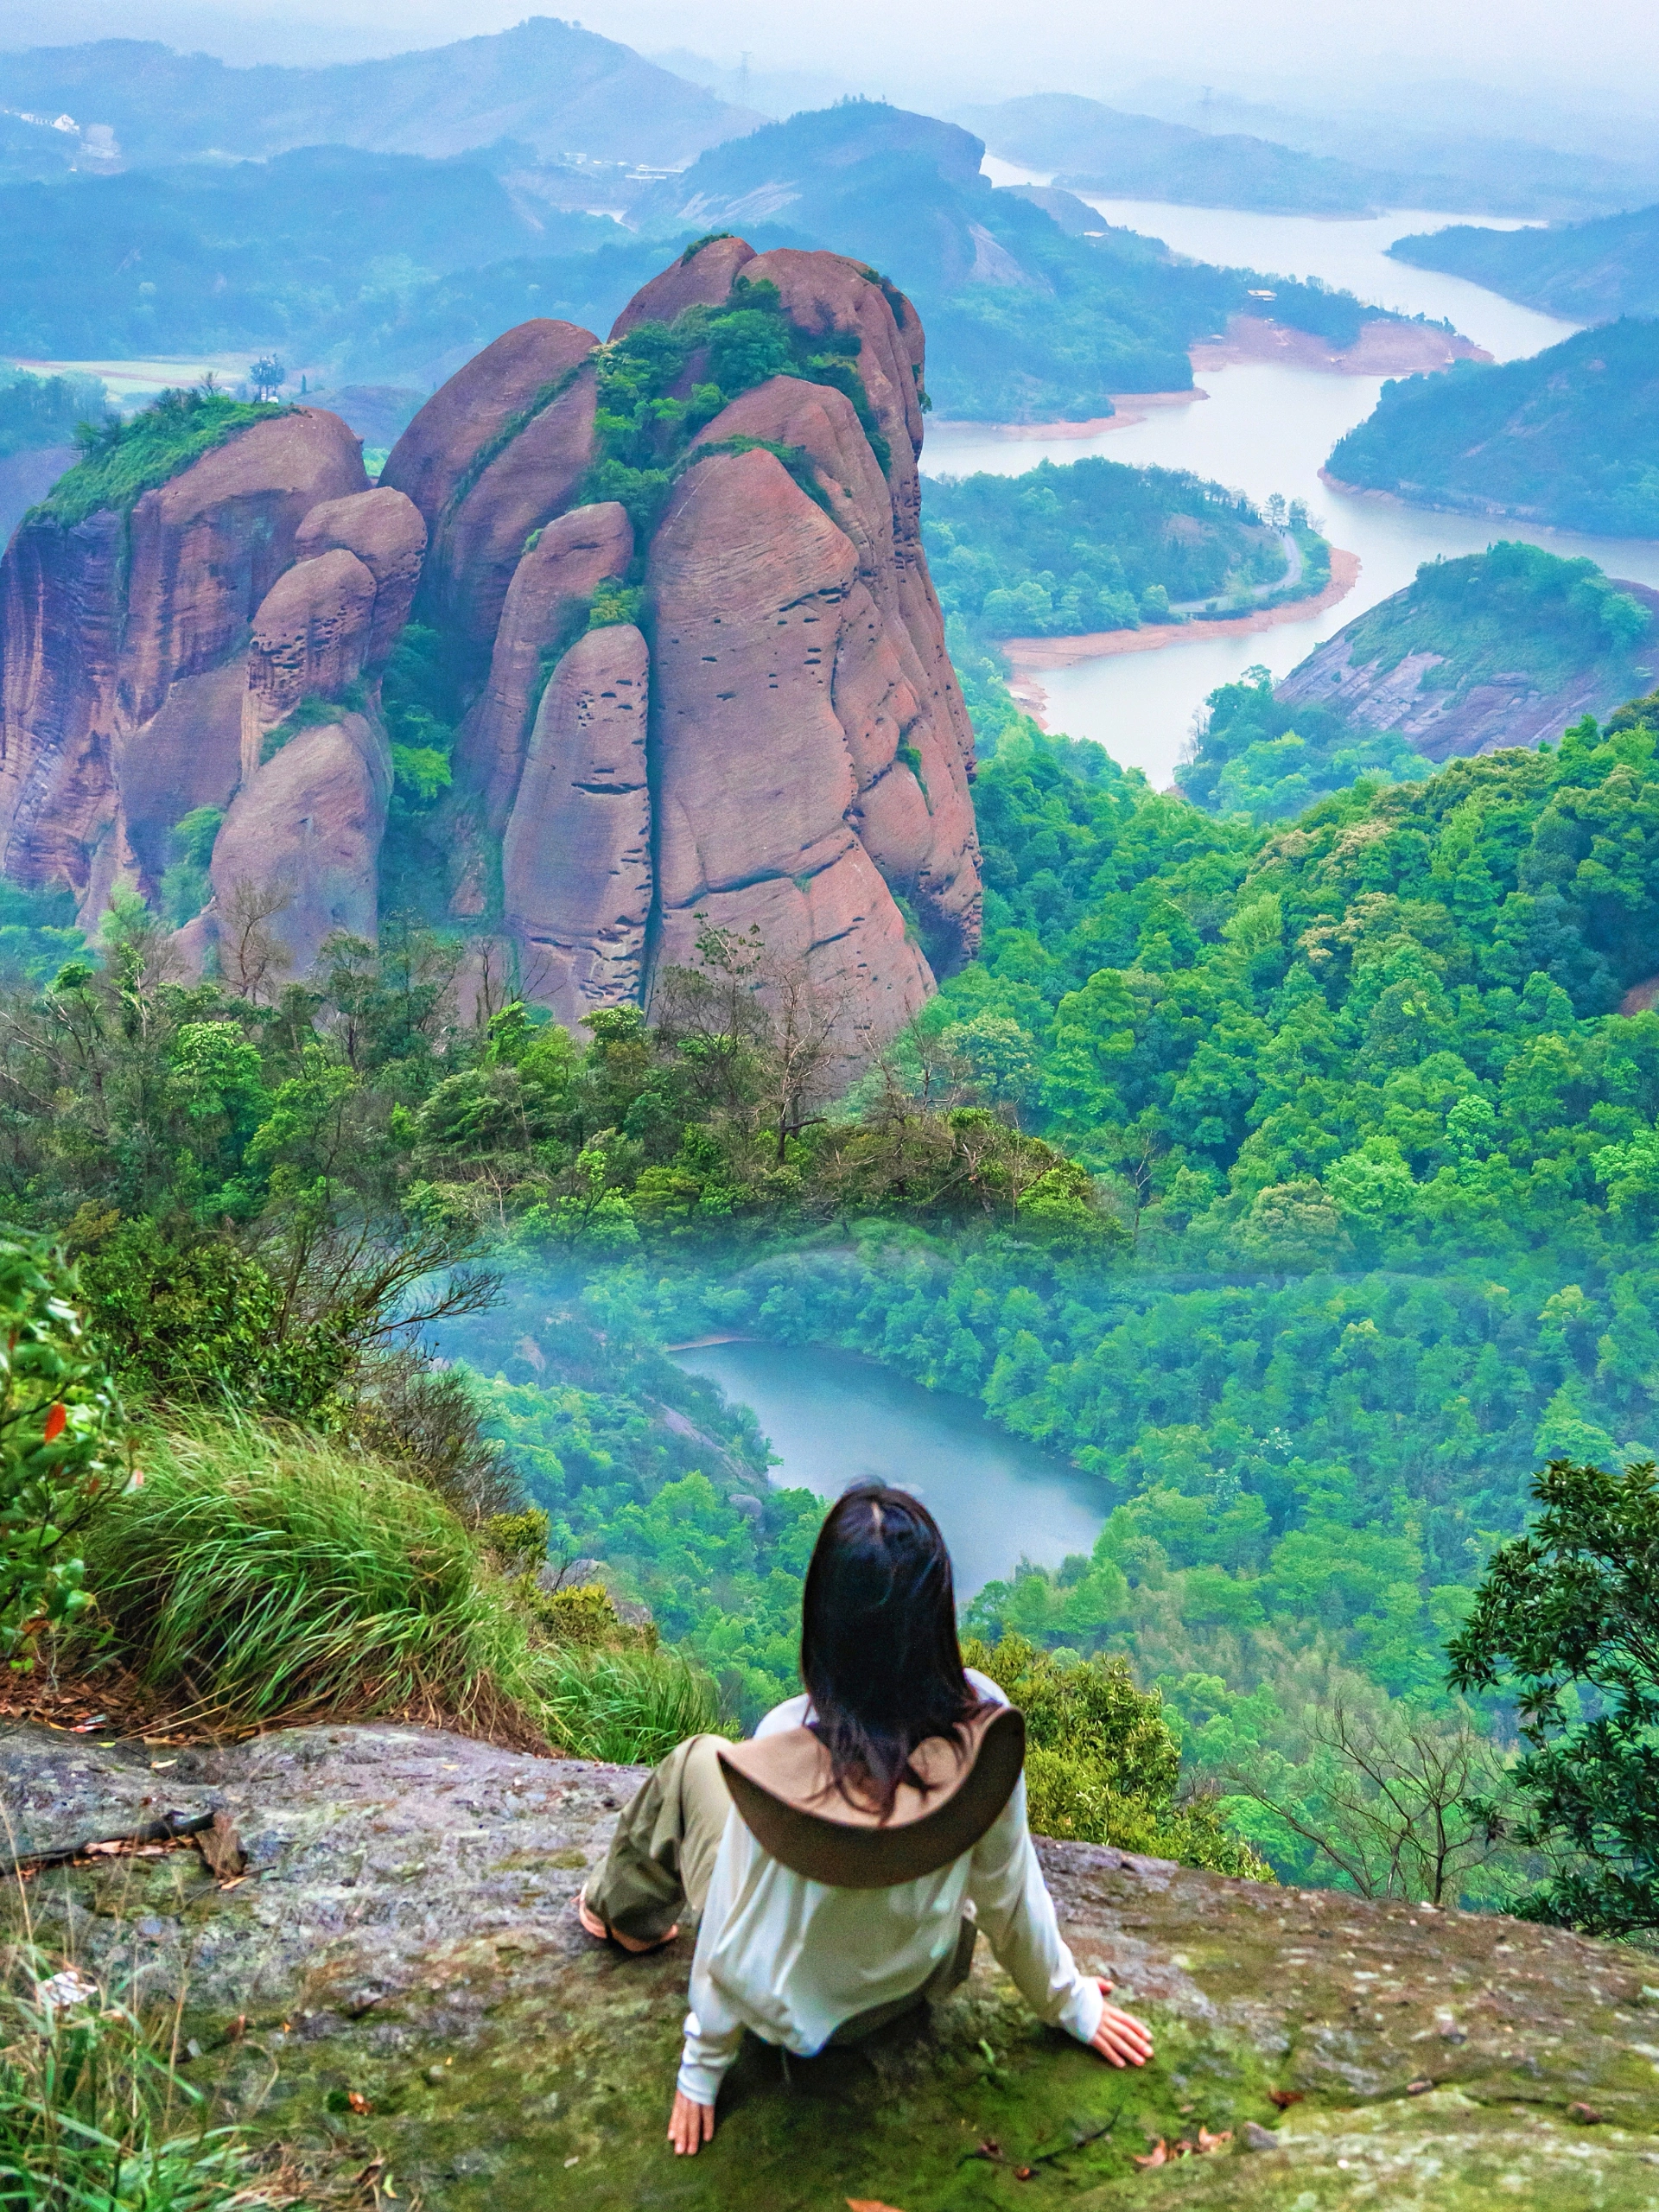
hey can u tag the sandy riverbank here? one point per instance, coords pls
(1382, 349)
(1029, 657)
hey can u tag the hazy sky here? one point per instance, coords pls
(1590, 53)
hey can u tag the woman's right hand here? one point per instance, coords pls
(1120, 2036)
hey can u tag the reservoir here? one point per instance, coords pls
(834, 1419)
(1268, 427)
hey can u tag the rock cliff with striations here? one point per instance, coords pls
(672, 605)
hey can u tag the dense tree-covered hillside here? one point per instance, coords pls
(1503, 636)
(1584, 272)
(1569, 436)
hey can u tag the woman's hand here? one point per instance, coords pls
(1120, 2036)
(689, 2127)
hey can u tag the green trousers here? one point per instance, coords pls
(662, 1859)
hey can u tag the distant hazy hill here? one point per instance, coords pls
(558, 89)
(314, 249)
(1026, 318)
(1584, 272)
(1098, 149)
(1570, 436)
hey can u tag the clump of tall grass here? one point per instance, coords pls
(92, 2116)
(260, 1574)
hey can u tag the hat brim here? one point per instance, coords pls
(855, 1851)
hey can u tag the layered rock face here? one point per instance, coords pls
(585, 795)
(720, 698)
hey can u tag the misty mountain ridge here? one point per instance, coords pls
(558, 89)
(1099, 149)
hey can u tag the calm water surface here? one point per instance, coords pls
(1265, 427)
(834, 1419)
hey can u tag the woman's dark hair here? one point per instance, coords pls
(879, 1650)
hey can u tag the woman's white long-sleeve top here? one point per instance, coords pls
(794, 1959)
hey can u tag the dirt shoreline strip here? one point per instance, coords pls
(1029, 657)
(1128, 408)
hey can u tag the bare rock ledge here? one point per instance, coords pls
(404, 1933)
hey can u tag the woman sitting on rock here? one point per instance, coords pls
(843, 1860)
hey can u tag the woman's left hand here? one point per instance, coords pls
(1120, 2036)
(689, 2127)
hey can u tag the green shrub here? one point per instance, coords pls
(1102, 1762)
(92, 2117)
(60, 1467)
(192, 1319)
(1566, 1622)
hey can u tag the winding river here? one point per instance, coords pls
(1268, 427)
(834, 1419)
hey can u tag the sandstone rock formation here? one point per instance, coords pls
(546, 606)
(748, 580)
(405, 1932)
(383, 528)
(122, 645)
(575, 862)
(498, 451)
(700, 279)
(758, 727)
(298, 854)
(310, 638)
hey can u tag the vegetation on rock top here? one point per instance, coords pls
(120, 461)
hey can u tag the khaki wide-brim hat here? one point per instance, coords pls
(783, 1789)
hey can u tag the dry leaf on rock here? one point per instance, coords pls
(358, 2103)
(1158, 2155)
(221, 1846)
(1216, 2142)
(1416, 2089)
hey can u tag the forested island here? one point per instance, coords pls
(1563, 437)
(1066, 549)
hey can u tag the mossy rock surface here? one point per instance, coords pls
(405, 1939)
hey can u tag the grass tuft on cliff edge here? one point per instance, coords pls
(260, 1573)
(121, 460)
